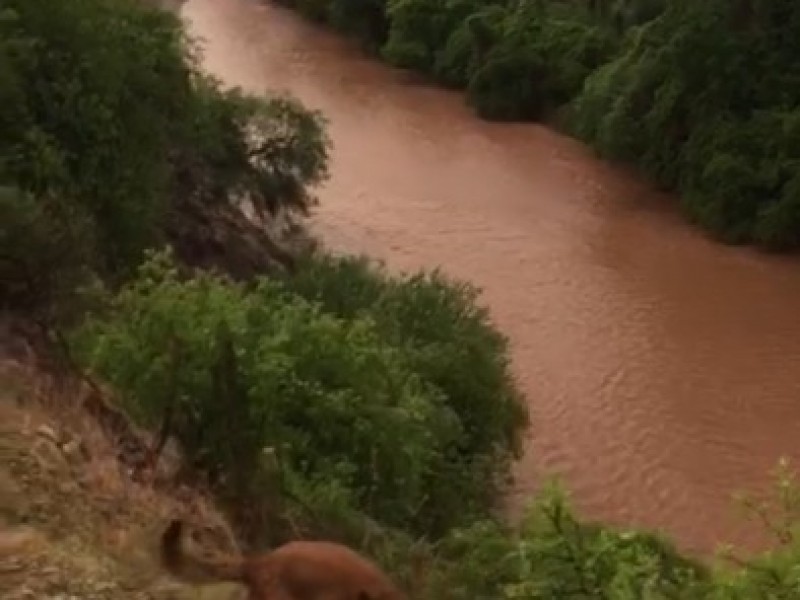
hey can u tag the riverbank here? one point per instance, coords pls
(624, 78)
(72, 521)
(619, 337)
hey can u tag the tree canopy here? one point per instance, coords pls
(703, 96)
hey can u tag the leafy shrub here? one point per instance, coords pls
(337, 397)
(448, 339)
(553, 555)
(778, 225)
(508, 84)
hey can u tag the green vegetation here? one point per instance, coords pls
(109, 124)
(333, 399)
(554, 556)
(703, 96)
(367, 403)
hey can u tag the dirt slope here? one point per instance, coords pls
(73, 523)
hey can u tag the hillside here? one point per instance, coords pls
(73, 522)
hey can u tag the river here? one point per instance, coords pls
(662, 369)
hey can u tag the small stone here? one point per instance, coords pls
(49, 455)
(48, 432)
(74, 449)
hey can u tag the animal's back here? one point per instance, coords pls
(309, 570)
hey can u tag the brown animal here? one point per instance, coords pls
(295, 571)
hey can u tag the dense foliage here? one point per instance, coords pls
(554, 556)
(703, 96)
(446, 337)
(400, 394)
(109, 124)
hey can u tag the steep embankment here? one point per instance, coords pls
(73, 522)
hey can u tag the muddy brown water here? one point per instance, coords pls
(662, 369)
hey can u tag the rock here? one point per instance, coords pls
(75, 450)
(49, 455)
(45, 431)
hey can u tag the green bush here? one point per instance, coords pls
(339, 397)
(444, 334)
(738, 177)
(553, 555)
(448, 339)
(361, 434)
(457, 59)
